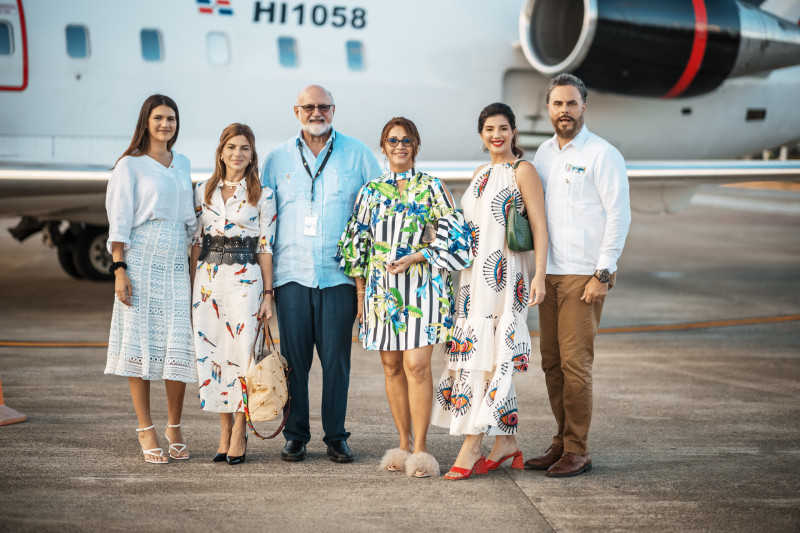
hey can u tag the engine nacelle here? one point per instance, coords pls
(655, 48)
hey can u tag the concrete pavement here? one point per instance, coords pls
(693, 430)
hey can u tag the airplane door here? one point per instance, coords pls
(13, 47)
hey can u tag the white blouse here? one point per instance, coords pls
(141, 189)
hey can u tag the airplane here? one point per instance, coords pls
(680, 87)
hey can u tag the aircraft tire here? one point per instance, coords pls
(90, 255)
(67, 261)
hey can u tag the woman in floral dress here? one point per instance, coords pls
(232, 281)
(405, 293)
(475, 395)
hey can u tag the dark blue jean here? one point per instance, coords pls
(323, 318)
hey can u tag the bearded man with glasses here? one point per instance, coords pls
(316, 176)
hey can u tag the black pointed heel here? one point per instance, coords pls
(220, 457)
(239, 460)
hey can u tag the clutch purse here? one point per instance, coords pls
(518, 230)
(428, 233)
(265, 390)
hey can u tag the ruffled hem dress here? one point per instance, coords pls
(226, 297)
(475, 393)
(150, 210)
(415, 308)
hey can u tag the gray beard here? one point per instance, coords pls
(317, 129)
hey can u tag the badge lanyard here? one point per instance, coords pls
(308, 169)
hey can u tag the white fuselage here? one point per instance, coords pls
(437, 63)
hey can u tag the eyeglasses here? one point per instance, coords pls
(392, 141)
(323, 108)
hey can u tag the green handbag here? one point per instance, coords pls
(518, 230)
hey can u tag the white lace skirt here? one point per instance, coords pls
(153, 339)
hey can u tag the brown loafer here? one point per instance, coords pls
(570, 464)
(543, 462)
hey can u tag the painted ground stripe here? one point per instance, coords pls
(623, 329)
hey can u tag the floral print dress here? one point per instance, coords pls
(491, 341)
(226, 298)
(414, 308)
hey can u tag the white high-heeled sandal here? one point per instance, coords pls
(152, 451)
(179, 446)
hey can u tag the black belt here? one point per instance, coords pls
(218, 249)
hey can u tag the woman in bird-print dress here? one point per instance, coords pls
(475, 394)
(232, 281)
(405, 293)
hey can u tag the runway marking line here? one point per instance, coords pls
(603, 331)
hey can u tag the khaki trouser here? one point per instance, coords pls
(567, 329)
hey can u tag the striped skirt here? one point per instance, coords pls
(153, 338)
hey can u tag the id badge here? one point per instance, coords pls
(310, 225)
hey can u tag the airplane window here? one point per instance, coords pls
(77, 41)
(355, 55)
(756, 114)
(218, 50)
(151, 45)
(6, 39)
(287, 51)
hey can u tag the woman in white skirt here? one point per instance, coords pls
(151, 222)
(475, 394)
(232, 281)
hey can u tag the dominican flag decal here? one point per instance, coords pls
(220, 7)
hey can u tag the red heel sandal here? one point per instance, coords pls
(517, 463)
(478, 468)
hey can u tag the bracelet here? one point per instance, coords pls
(359, 292)
(117, 264)
(267, 291)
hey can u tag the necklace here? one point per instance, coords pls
(230, 183)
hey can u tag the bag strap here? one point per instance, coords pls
(514, 185)
(264, 330)
(255, 341)
(243, 383)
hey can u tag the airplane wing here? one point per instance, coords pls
(657, 186)
(78, 194)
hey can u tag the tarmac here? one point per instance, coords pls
(695, 420)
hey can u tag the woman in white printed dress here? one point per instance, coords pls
(149, 206)
(405, 293)
(232, 281)
(475, 395)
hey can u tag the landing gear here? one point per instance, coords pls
(67, 262)
(81, 250)
(90, 255)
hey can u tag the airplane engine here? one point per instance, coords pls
(655, 48)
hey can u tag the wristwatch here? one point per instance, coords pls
(603, 276)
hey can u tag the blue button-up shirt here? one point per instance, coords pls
(304, 259)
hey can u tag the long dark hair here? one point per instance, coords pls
(141, 138)
(499, 108)
(250, 171)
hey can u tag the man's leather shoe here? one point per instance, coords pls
(294, 451)
(339, 452)
(543, 462)
(570, 464)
